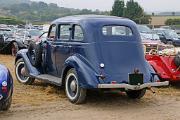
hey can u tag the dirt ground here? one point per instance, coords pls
(42, 101)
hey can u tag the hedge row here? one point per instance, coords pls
(10, 21)
(173, 21)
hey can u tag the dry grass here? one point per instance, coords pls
(40, 93)
(33, 95)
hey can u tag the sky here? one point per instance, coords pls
(148, 5)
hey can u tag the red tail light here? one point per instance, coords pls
(4, 89)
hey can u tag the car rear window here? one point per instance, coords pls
(114, 30)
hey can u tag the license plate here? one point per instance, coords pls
(135, 79)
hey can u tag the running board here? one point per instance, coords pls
(50, 79)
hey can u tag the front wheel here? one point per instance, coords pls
(136, 94)
(74, 92)
(20, 72)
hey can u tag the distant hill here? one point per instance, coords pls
(39, 11)
(5, 3)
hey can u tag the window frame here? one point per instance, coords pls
(73, 33)
(50, 29)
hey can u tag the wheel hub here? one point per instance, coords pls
(23, 71)
(73, 85)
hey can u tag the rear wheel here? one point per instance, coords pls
(20, 72)
(14, 48)
(74, 92)
(136, 94)
(6, 104)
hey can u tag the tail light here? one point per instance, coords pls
(4, 89)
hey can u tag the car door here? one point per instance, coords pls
(77, 40)
(51, 51)
(63, 48)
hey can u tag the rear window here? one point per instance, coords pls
(113, 30)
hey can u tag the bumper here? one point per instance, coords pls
(134, 87)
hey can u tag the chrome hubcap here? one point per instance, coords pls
(73, 85)
(23, 71)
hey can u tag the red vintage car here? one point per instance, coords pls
(164, 59)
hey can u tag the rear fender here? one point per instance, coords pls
(154, 76)
(31, 70)
(86, 75)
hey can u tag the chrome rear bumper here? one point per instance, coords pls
(134, 87)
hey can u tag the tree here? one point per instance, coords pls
(118, 8)
(135, 12)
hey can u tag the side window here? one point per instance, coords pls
(78, 33)
(65, 31)
(52, 32)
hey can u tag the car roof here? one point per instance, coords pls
(90, 18)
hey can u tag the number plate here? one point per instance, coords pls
(135, 79)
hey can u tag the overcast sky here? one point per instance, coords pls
(148, 5)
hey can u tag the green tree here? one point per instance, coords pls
(118, 8)
(136, 13)
(133, 10)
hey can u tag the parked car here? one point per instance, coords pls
(168, 36)
(89, 52)
(8, 43)
(31, 35)
(41, 38)
(165, 60)
(147, 33)
(6, 88)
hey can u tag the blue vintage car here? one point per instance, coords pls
(6, 88)
(89, 52)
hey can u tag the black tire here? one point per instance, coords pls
(20, 77)
(177, 60)
(5, 105)
(75, 94)
(14, 48)
(35, 54)
(136, 94)
(1, 39)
